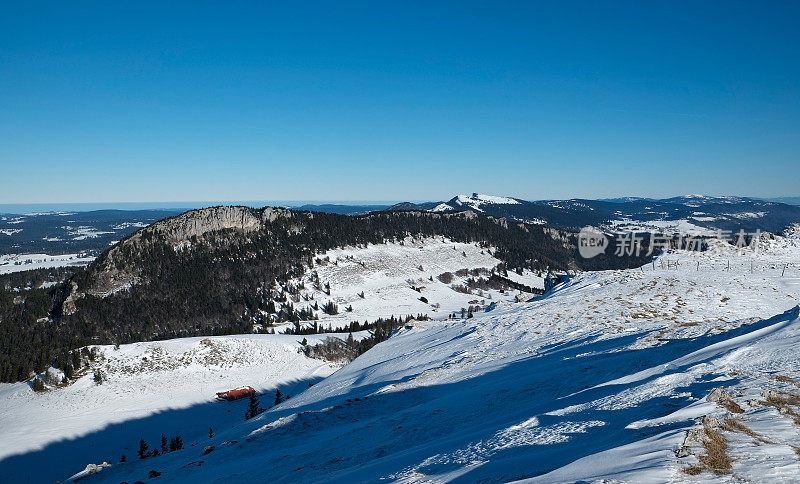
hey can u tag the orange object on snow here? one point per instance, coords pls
(236, 394)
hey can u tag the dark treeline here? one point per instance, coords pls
(334, 349)
(224, 281)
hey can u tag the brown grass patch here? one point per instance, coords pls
(716, 458)
(731, 406)
(688, 324)
(736, 425)
(692, 470)
(786, 379)
(783, 402)
(778, 398)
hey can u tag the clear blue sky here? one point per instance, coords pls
(169, 101)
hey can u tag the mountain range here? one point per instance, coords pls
(693, 212)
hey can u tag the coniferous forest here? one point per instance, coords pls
(223, 281)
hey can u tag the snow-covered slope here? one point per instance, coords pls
(148, 389)
(599, 380)
(401, 279)
(477, 200)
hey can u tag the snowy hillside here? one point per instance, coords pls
(148, 389)
(607, 377)
(402, 279)
(477, 200)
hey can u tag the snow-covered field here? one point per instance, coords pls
(680, 226)
(148, 389)
(599, 380)
(26, 262)
(604, 379)
(387, 274)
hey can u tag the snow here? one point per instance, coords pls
(10, 232)
(747, 215)
(84, 232)
(442, 207)
(126, 225)
(597, 381)
(476, 200)
(385, 274)
(26, 262)
(150, 388)
(681, 226)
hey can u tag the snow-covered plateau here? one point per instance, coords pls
(26, 262)
(685, 369)
(403, 279)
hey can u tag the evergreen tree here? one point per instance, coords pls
(253, 408)
(279, 397)
(38, 385)
(176, 443)
(142, 452)
(164, 444)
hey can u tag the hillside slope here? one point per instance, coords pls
(600, 379)
(147, 389)
(233, 270)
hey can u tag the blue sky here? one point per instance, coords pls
(105, 102)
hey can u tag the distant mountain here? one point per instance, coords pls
(429, 206)
(786, 200)
(692, 212)
(72, 232)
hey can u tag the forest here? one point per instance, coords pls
(228, 280)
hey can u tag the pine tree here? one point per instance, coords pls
(142, 452)
(210, 432)
(176, 443)
(164, 444)
(253, 408)
(278, 397)
(38, 385)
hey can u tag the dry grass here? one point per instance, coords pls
(688, 324)
(783, 402)
(736, 425)
(716, 458)
(692, 470)
(731, 406)
(786, 379)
